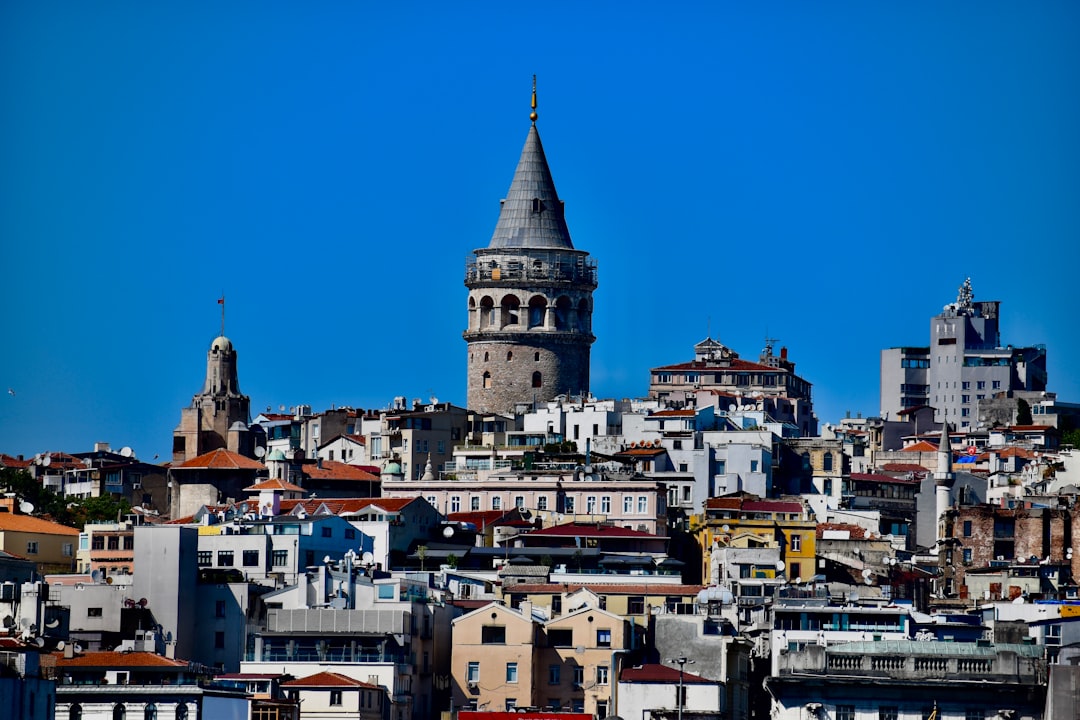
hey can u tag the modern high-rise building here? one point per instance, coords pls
(964, 363)
(530, 297)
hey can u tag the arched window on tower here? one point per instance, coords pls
(510, 310)
(150, 712)
(537, 306)
(536, 356)
(75, 712)
(487, 381)
(119, 712)
(584, 316)
(562, 313)
(486, 357)
(487, 313)
(181, 712)
(509, 355)
(537, 379)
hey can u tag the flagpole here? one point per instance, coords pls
(222, 303)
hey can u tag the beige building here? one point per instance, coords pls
(333, 696)
(506, 658)
(218, 416)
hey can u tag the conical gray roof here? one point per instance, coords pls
(532, 214)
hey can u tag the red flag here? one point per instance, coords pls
(221, 300)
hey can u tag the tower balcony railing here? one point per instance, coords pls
(581, 272)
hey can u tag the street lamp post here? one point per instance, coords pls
(681, 662)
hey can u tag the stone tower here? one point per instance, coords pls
(218, 416)
(530, 297)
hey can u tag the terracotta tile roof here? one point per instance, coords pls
(655, 673)
(479, 518)
(736, 364)
(112, 659)
(921, 446)
(589, 530)
(275, 484)
(276, 417)
(221, 459)
(857, 532)
(328, 679)
(773, 506)
(608, 589)
(1030, 428)
(904, 467)
(331, 470)
(1008, 452)
(723, 503)
(673, 413)
(17, 522)
(14, 462)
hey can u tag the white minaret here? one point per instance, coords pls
(944, 478)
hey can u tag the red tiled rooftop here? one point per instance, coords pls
(275, 484)
(642, 452)
(331, 470)
(112, 659)
(221, 459)
(673, 413)
(343, 506)
(328, 679)
(921, 446)
(773, 506)
(17, 522)
(655, 673)
(590, 530)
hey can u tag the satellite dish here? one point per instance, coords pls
(448, 531)
(726, 528)
(52, 624)
(281, 408)
(244, 508)
(26, 507)
(47, 460)
(88, 463)
(9, 621)
(39, 641)
(780, 565)
(798, 580)
(142, 602)
(368, 558)
(60, 644)
(127, 452)
(588, 469)
(96, 576)
(78, 648)
(260, 451)
(326, 560)
(867, 572)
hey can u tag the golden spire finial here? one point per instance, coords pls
(533, 115)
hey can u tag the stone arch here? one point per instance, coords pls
(537, 311)
(511, 310)
(537, 379)
(473, 319)
(486, 378)
(584, 313)
(563, 307)
(487, 313)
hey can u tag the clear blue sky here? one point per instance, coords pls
(826, 173)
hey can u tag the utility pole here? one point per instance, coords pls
(681, 662)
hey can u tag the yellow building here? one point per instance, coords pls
(785, 523)
(634, 602)
(50, 545)
(506, 658)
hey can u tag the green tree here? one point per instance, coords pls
(1071, 437)
(1023, 412)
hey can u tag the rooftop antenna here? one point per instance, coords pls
(533, 115)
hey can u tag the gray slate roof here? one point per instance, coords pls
(520, 226)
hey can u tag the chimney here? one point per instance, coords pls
(526, 609)
(69, 650)
(783, 353)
